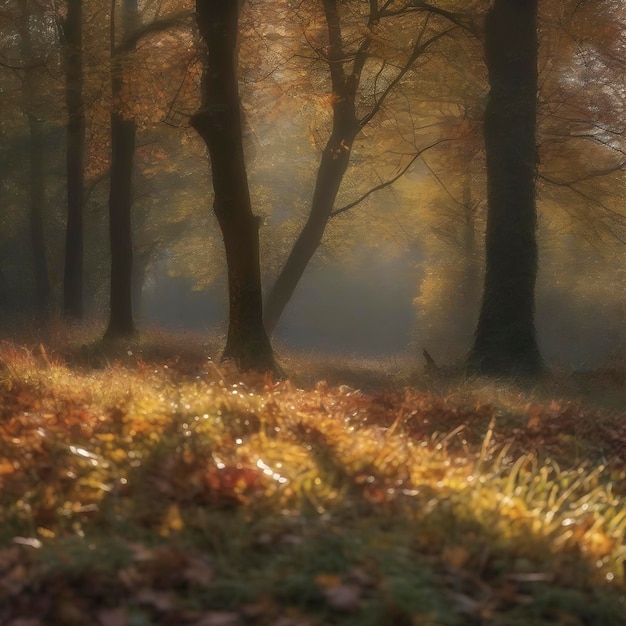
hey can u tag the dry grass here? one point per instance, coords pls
(143, 482)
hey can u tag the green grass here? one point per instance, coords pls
(143, 484)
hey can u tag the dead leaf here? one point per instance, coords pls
(172, 521)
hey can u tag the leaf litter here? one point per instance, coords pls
(165, 492)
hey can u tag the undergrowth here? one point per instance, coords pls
(145, 486)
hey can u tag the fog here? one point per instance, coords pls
(367, 310)
(399, 271)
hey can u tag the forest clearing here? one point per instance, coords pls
(296, 182)
(142, 484)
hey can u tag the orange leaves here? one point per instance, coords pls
(193, 495)
(232, 485)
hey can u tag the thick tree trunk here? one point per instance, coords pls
(123, 136)
(218, 122)
(505, 341)
(120, 227)
(73, 275)
(43, 291)
(333, 165)
(471, 283)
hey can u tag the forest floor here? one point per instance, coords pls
(141, 484)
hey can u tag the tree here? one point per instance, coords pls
(582, 137)
(123, 138)
(346, 69)
(218, 122)
(43, 290)
(505, 340)
(71, 37)
(580, 134)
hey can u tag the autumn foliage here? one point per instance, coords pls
(158, 489)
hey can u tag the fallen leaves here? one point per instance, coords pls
(166, 496)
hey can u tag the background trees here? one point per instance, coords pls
(123, 140)
(363, 75)
(71, 34)
(402, 85)
(31, 22)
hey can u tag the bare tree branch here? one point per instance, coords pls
(415, 54)
(618, 218)
(590, 176)
(386, 183)
(23, 67)
(466, 21)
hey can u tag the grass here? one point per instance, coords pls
(143, 484)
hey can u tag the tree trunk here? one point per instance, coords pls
(73, 275)
(43, 291)
(471, 281)
(333, 165)
(123, 135)
(505, 341)
(218, 122)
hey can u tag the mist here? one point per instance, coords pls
(400, 264)
(366, 309)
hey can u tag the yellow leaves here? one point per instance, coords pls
(254, 472)
(172, 521)
(118, 455)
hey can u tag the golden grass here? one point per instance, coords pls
(496, 492)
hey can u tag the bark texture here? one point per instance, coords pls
(35, 157)
(218, 122)
(123, 138)
(505, 339)
(71, 29)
